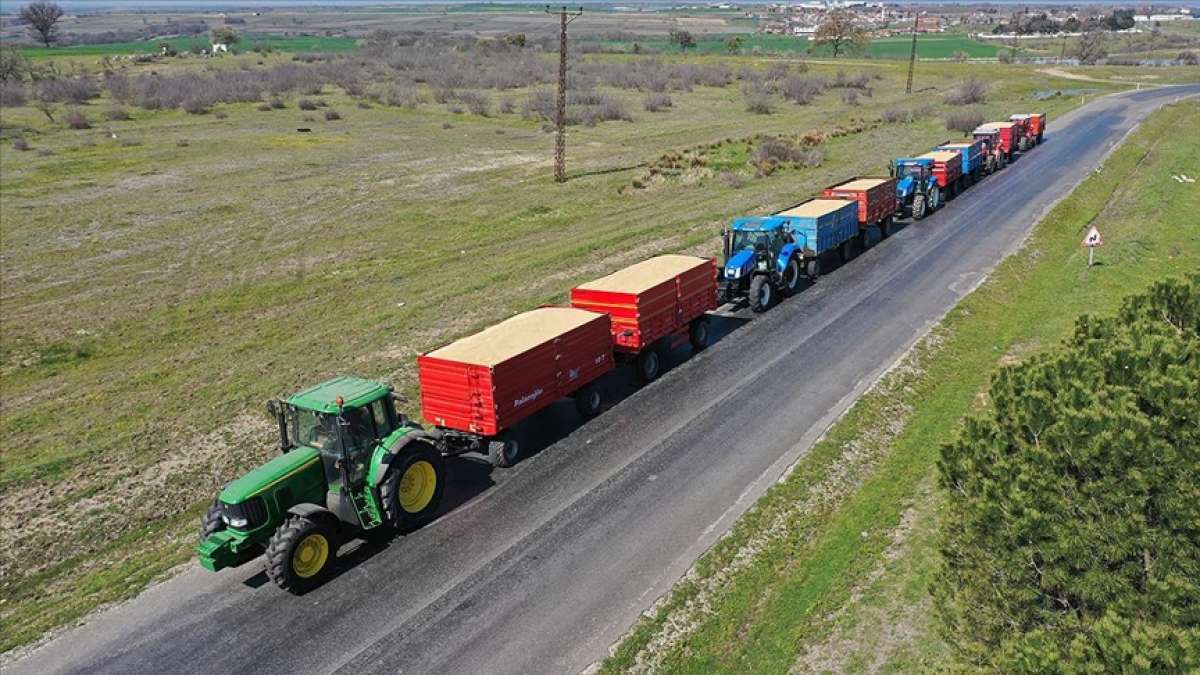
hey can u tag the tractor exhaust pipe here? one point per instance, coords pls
(275, 408)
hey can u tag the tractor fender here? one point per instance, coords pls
(383, 460)
(785, 255)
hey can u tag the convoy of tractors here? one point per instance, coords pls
(352, 465)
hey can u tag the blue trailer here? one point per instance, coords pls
(765, 255)
(973, 158)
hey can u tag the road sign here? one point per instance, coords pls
(1093, 238)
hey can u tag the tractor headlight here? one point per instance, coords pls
(235, 522)
(734, 273)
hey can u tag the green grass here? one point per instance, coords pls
(162, 283)
(928, 46)
(184, 44)
(823, 586)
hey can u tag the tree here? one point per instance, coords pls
(840, 33)
(733, 43)
(42, 18)
(683, 38)
(515, 39)
(13, 65)
(1071, 532)
(1071, 25)
(224, 35)
(1092, 47)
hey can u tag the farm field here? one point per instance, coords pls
(165, 274)
(831, 570)
(183, 44)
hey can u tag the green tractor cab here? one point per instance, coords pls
(349, 465)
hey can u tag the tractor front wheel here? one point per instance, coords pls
(211, 522)
(300, 554)
(412, 490)
(761, 294)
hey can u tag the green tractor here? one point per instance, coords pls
(350, 465)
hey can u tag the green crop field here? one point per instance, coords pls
(183, 44)
(831, 570)
(165, 274)
(928, 46)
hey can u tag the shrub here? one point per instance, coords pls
(897, 116)
(1188, 58)
(308, 118)
(306, 104)
(1069, 531)
(116, 114)
(970, 91)
(13, 95)
(447, 125)
(850, 97)
(363, 105)
(758, 103)
(801, 90)
(332, 114)
(656, 102)
(72, 90)
(964, 120)
(277, 104)
(221, 114)
(182, 143)
(20, 144)
(731, 179)
(194, 106)
(507, 106)
(477, 102)
(77, 120)
(778, 70)
(265, 107)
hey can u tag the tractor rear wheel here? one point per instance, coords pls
(918, 207)
(698, 334)
(300, 554)
(791, 278)
(412, 490)
(937, 199)
(588, 400)
(504, 450)
(649, 364)
(210, 522)
(761, 294)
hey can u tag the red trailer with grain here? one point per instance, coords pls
(476, 389)
(655, 305)
(1010, 136)
(947, 168)
(878, 204)
(1035, 126)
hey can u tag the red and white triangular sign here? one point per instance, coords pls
(1093, 238)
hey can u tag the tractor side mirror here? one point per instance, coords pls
(273, 408)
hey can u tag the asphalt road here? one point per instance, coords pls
(541, 567)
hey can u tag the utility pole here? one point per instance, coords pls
(560, 140)
(912, 59)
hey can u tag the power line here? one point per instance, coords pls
(560, 140)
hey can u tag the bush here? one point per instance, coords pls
(656, 102)
(850, 97)
(221, 114)
(897, 116)
(265, 107)
(77, 120)
(71, 90)
(1188, 58)
(964, 120)
(507, 106)
(970, 91)
(116, 114)
(363, 105)
(277, 104)
(801, 90)
(1069, 531)
(758, 101)
(182, 143)
(477, 102)
(332, 114)
(20, 144)
(306, 104)
(194, 106)
(13, 95)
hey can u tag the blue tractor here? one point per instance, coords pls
(762, 258)
(916, 186)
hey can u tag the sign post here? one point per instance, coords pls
(1091, 240)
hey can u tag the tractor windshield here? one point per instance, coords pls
(314, 429)
(916, 171)
(752, 239)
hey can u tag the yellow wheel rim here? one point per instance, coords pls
(310, 555)
(417, 486)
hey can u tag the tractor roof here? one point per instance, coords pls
(915, 160)
(758, 223)
(354, 391)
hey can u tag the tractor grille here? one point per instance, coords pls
(254, 510)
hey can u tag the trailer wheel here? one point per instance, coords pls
(885, 228)
(760, 294)
(846, 250)
(698, 334)
(864, 238)
(210, 522)
(791, 278)
(301, 553)
(918, 207)
(412, 490)
(812, 268)
(588, 400)
(649, 363)
(504, 450)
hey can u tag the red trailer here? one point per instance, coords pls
(475, 389)
(655, 305)
(877, 202)
(995, 158)
(1010, 136)
(1035, 126)
(947, 168)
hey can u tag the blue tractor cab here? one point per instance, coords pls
(916, 186)
(763, 256)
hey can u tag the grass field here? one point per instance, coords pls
(830, 571)
(928, 46)
(162, 276)
(183, 44)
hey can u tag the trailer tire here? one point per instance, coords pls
(846, 250)
(885, 228)
(649, 364)
(301, 553)
(589, 400)
(698, 334)
(791, 278)
(761, 293)
(504, 451)
(211, 522)
(412, 490)
(918, 207)
(864, 238)
(812, 268)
